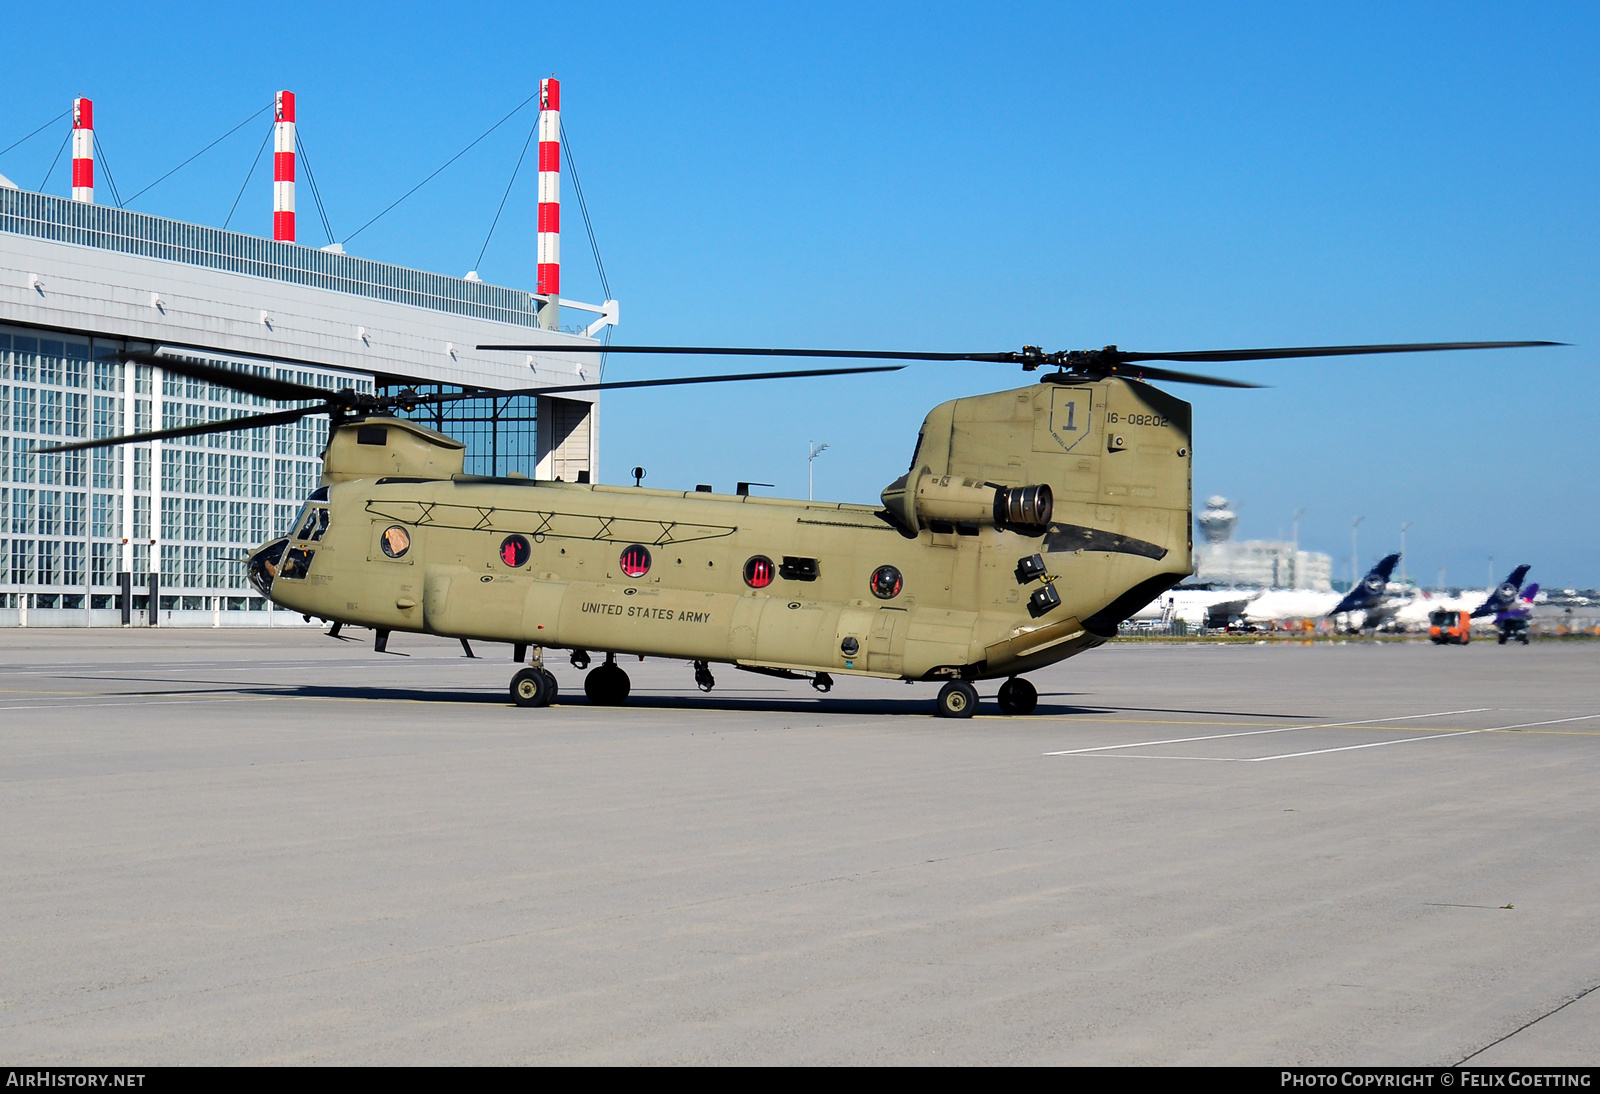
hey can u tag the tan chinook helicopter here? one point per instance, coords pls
(1030, 524)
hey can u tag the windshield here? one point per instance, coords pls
(311, 524)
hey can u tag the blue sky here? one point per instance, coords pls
(944, 176)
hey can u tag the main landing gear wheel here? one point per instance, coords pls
(957, 699)
(1017, 696)
(607, 685)
(533, 687)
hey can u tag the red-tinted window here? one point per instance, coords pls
(759, 571)
(886, 582)
(514, 551)
(636, 561)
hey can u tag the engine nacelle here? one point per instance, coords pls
(951, 500)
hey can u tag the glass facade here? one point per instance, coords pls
(501, 435)
(71, 523)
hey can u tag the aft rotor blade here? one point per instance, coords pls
(1138, 372)
(1110, 353)
(730, 351)
(892, 355)
(267, 387)
(613, 385)
(1320, 351)
(226, 425)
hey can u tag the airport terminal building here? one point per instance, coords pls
(155, 532)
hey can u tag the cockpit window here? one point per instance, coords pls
(296, 564)
(313, 523)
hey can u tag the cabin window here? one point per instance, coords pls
(515, 551)
(886, 582)
(396, 541)
(759, 572)
(635, 561)
(798, 569)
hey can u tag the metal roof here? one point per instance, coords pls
(45, 216)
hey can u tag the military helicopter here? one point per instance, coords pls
(1030, 523)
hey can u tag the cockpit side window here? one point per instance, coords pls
(307, 524)
(296, 563)
(322, 524)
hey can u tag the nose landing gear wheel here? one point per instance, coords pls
(607, 685)
(533, 687)
(957, 699)
(1017, 696)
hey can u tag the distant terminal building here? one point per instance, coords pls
(154, 532)
(1255, 563)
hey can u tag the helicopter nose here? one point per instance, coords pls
(263, 566)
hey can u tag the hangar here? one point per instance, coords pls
(153, 533)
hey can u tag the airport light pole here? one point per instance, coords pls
(816, 450)
(1294, 560)
(1403, 526)
(1354, 557)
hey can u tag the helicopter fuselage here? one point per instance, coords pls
(399, 539)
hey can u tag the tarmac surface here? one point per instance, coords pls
(275, 848)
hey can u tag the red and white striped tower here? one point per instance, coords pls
(549, 199)
(283, 169)
(83, 150)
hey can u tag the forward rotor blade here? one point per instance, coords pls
(1320, 351)
(729, 351)
(267, 387)
(1138, 372)
(613, 385)
(226, 425)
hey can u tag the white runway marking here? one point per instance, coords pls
(1408, 740)
(1352, 748)
(1325, 751)
(1259, 732)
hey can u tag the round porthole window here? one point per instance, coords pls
(514, 551)
(396, 541)
(635, 561)
(886, 582)
(759, 571)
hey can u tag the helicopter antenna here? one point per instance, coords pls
(816, 450)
